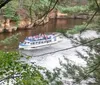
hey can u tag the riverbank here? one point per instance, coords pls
(8, 25)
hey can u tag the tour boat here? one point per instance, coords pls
(37, 41)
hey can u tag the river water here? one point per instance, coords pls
(51, 60)
(45, 58)
(52, 26)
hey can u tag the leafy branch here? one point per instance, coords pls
(98, 8)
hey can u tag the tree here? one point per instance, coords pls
(14, 71)
(11, 69)
(92, 70)
(24, 74)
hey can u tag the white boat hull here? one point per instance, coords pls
(31, 47)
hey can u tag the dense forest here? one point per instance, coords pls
(27, 14)
(21, 14)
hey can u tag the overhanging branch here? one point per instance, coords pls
(4, 3)
(98, 8)
(47, 12)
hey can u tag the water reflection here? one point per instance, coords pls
(51, 26)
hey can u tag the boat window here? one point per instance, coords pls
(41, 41)
(28, 42)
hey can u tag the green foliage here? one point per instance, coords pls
(54, 78)
(63, 31)
(10, 40)
(93, 26)
(92, 69)
(13, 69)
(93, 6)
(74, 9)
(20, 73)
(76, 29)
(36, 8)
(24, 74)
(10, 9)
(73, 71)
(93, 60)
(42, 7)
